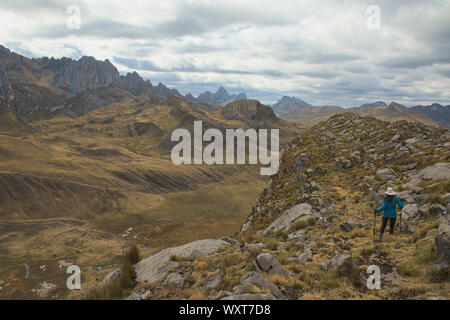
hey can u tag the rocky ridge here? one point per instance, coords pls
(309, 235)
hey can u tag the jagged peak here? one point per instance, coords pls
(221, 90)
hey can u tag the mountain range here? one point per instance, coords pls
(44, 87)
(436, 112)
(296, 109)
(48, 85)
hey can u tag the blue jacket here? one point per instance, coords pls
(390, 207)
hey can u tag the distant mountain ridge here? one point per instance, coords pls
(292, 108)
(373, 104)
(437, 112)
(288, 107)
(221, 97)
(47, 85)
(135, 84)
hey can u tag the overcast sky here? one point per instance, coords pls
(320, 51)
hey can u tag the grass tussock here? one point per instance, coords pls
(117, 288)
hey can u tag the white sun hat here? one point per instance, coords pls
(390, 191)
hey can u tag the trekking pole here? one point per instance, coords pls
(400, 222)
(374, 222)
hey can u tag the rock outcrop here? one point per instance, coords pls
(49, 85)
(443, 239)
(268, 263)
(77, 76)
(342, 263)
(154, 269)
(300, 212)
(258, 280)
(440, 171)
(251, 112)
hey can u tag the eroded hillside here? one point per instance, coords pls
(80, 189)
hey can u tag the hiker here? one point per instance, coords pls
(389, 206)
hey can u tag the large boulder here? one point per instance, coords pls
(342, 263)
(443, 239)
(386, 174)
(268, 263)
(409, 210)
(154, 268)
(299, 212)
(258, 280)
(439, 171)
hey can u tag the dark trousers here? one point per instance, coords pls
(391, 225)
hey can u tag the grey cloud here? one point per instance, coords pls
(392, 63)
(147, 65)
(412, 62)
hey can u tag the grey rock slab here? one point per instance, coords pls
(154, 268)
(258, 280)
(269, 264)
(386, 174)
(342, 263)
(299, 212)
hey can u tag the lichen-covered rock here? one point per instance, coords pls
(299, 212)
(439, 170)
(258, 280)
(269, 264)
(154, 268)
(342, 263)
(410, 210)
(386, 174)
